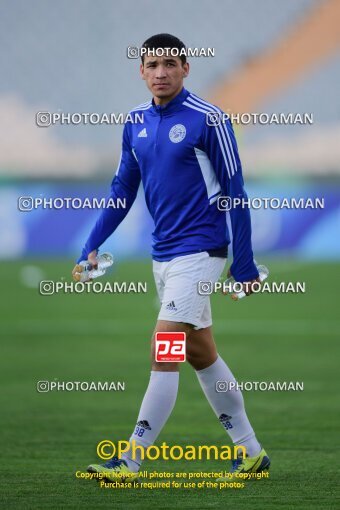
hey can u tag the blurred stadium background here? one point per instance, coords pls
(271, 56)
(71, 57)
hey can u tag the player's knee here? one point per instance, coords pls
(200, 358)
(166, 327)
(164, 367)
(192, 359)
(197, 361)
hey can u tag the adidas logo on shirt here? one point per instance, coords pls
(171, 306)
(142, 134)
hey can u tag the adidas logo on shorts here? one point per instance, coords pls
(171, 306)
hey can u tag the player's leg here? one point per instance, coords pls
(157, 405)
(181, 307)
(227, 405)
(201, 348)
(159, 399)
(161, 393)
(214, 377)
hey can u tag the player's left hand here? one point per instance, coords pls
(78, 268)
(247, 286)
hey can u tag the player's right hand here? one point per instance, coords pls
(247, 287)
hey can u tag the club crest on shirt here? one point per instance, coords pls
(177, 133)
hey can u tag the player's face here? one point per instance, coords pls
(164, 76)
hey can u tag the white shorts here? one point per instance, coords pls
(177, 287)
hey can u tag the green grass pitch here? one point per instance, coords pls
(46, 437)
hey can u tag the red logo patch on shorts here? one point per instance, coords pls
(170, 347)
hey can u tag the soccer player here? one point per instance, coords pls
(185, 164)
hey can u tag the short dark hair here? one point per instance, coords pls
(164, 41)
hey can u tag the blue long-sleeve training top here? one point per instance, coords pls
(185, 164)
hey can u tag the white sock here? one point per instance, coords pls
(157, 405)
(228, 405)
